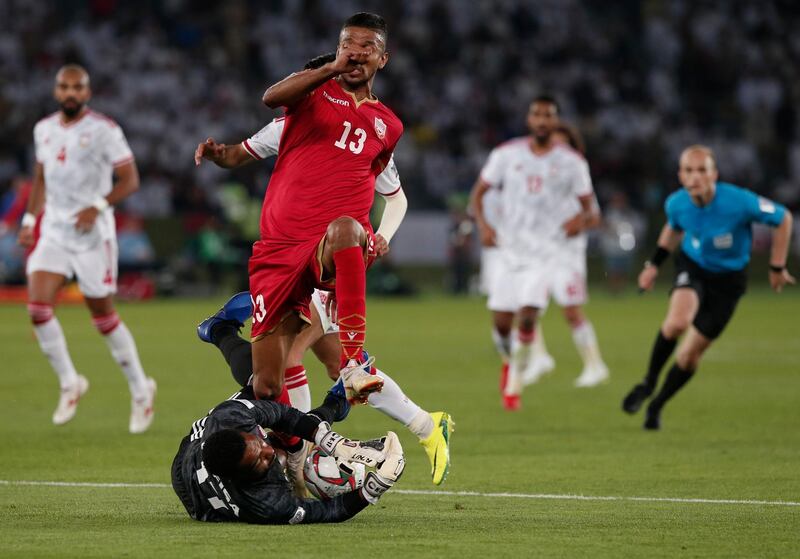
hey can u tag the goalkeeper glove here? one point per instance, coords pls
(388, 472)
(369, 453)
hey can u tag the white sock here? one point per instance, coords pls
(54, 346)
(586, 343)
(521, 351)
(297, 385)
(539, 347)
(123, 349)
(393, 402)
(502, 343)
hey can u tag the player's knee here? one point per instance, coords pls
(40, 313)
(573, 316)
(675, 327)
(333, 370)
(267, 388)
(688, 358)
(344, 232)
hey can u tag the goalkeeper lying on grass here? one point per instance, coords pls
(226, 470)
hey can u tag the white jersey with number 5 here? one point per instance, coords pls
(538, 194)
(265, 143)
(78, 160)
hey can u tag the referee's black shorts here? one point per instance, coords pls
(719, 293)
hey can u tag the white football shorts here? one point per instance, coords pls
(533, 283)
(318, 299)
(95, 269)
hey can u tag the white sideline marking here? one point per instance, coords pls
(539, 496)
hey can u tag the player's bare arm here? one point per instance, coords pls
(487, 233)
(668, 241)
(126, 184)
(223, 155)
(293, 88)
(779, 276)
(35, 205)
(587, 218)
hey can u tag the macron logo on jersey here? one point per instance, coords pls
(336, 101)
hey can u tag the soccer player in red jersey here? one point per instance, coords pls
(315, 229)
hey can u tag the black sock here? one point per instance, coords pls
(237, 352)
(675, 380)
(662, 349)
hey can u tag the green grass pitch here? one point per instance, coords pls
(732, 434)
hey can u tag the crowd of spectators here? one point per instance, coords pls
(640, 79)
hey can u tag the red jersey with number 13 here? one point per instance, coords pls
(331, 150)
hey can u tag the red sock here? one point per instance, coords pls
(351, 300)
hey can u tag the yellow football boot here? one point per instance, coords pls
(437, 445)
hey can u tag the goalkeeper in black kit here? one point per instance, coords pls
(226, 470)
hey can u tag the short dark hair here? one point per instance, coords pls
(368, 21)
(545, 98)
(223, 451)
(320, 60)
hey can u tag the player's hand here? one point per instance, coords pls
(347, 60)
(25, 237)
(488, 236)
(85, 219)
(647, 277)
(381, 247)
(388, 472)
(370, 453)
(331, 307)
(779, 279)
(210, 150)
(574, 225)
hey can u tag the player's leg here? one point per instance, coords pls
(96, 271)
(502, 325)
(595, 370)
(343, 257)
(432, 429)
(717, 305)
(43, 287)
(222, 329)
(691, 349)
(683, 306)
(270, 353)
(123, 349)
(521, 350)
(295, 374)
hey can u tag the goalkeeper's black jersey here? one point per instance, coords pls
(266, 501)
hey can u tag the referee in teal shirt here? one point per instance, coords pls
(712, 221)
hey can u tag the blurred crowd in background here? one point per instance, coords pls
(639, 79)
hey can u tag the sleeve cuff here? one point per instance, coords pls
(123, 161)
(249, 149)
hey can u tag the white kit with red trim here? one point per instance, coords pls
(78, 160)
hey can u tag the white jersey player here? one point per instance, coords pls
(547, 203)
(78, 151)
(432, 429)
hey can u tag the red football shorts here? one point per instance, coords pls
(283, 277)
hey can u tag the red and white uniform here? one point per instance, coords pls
(331, 150)
(538, 194)
(490, 256)
(78, 160)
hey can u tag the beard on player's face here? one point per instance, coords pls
(541, 135)
(71, 107)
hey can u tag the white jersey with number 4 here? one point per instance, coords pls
(265, 143)
(538, 194)
(78, 160)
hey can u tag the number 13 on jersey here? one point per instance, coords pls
(357, 145)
